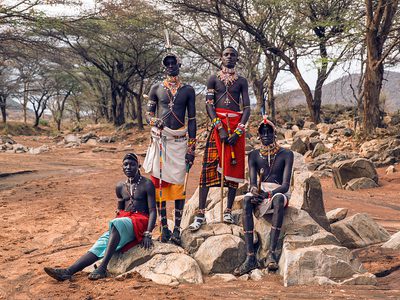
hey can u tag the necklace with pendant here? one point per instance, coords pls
(132, 189)
(267, 151)
(172, 84)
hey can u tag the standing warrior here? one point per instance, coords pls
(135, 220)
(274, 165)
(226, 91)
(170, 142)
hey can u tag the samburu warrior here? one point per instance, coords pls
(172, 141)
(228, 106)
(271, 195)
(135, 220)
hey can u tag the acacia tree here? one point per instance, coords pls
(254, 17)
(382, 37)
(8, 86)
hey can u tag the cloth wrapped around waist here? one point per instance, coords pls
(235, 172)
(174, 147)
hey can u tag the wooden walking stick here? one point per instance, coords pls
(160, 181)
(222, 182)
(233, 156)
(186, 179)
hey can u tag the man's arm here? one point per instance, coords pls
(120, 200)
(252, 162)
(287, 175)
(192, 128)
(210, 108)
(240, 129)
(147, 241)
(151, 109)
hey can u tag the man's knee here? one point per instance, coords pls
(247, 204)
(278, 200)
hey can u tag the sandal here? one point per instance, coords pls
(165, 235)
(58, 274)
(228, 218)
(249, 264)
(271, 262)
(197, 223)
(98, 273)
(176, 236)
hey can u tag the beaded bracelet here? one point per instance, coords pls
(217, 123)
(191, 145)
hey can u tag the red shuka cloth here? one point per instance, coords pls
(139, 222)
(233, 173)
(156, 182)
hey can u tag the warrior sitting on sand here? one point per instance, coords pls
(227, 94)
(274, 165)
(135, 220)
(169, 142)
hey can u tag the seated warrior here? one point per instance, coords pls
(274, 165)
(134, 222)
(171, 140)
(228, 106)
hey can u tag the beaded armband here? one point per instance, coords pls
(153, 121)
(147, 233)
(210, 96)
(151, 103)
(216, 122)
(239, 129)
(191, 145)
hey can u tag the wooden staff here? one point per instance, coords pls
(186, 179)
(222, 182)
(160, 181)
(233, 156)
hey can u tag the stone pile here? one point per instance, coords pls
(8, 145)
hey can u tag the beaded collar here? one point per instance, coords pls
(172, 83)
(227, 76)
(266, 152)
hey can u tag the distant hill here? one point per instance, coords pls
(339, 92)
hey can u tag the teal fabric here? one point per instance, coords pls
(125, 229)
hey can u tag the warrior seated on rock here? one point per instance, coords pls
(274, 165)
(134, 222)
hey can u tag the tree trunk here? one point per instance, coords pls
(372, 90)
(258, 88)
(316, 106)
(271, 100)
(25, 103)
(3, 111)
(139, 105)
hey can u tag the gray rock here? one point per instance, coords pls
(18, 148)
(390, 170)
(322, 264)
(307, 195)
(191, 241)
(309, 125)
(393, 242)
(244, 277)
(336, 214)
(107, 139)
(256, 275)
(38, 150)
(171, 268)
(88, 136)
(123, 262)
(344, 171)
(359, 231)
(299, 163)
(347, 132)
(6, 140)
(225, 277)
(221, 254)
(360, 183)
(298, 146)
(71, 138)
(306, 133)
(192, 204)
(318, 150)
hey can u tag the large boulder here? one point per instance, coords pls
(123, 262)
(359, 231)
(322, 264)
(344, 171)
(336, 214)
(306, 133)
(307, 195)
(171, 269)
(393, 242)
(298, 229)
(360, 183)
(221, 254)
(191, 241)
(191, 206)
(299, 146)
(72, 138)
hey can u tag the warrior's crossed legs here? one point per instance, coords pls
(249, 203)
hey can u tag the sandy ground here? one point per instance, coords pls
(51, 215)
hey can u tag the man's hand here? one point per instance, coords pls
(233, 139)
(157, 122)
(223, 135)
(147, 242)
(257, 199)
(189, 159)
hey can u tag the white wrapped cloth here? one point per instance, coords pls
(174, 146)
